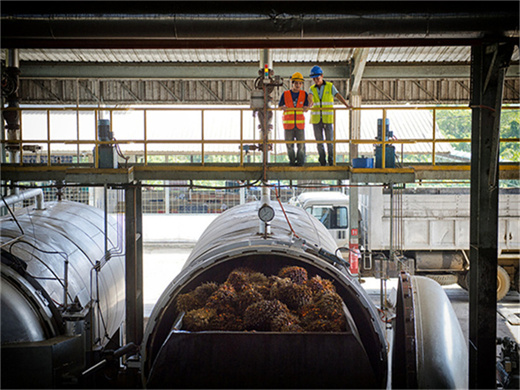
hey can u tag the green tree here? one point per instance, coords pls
(457, 124)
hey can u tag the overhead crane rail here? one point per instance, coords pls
(201, 156)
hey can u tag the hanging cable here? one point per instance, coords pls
(17, 224)
(284, 213)
(120, 153)
(65, 256)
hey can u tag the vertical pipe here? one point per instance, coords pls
(13, 58)
(97, 117)
(202, 137)
(145, 138)
(105, 207)
(354, 134)
(266, 58)
(167, 198)
(65, 282)
(265, 227)
(383, 138)
(3, 155)
(241, 138)
(139, 264)
(13, 118)
(77, 120)
(20, 155)
(333, 135)
(391, 248)
(434, 136)
(354, 125)
(265, 134)
(48, 137)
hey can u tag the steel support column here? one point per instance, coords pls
(134, 265)
(488, 65)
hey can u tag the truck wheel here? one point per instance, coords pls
(503, 283)
(444, 280)
(463, 281)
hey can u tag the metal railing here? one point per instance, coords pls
(245, 142)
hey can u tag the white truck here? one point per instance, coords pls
(429, 235)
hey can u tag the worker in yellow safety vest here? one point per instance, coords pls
(294, 120)
(322, 119)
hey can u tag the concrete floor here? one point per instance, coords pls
(163, 262)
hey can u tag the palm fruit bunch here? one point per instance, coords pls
(286, 322)
(197, 298)
(293, 295)
(318, 285)
(261, 283)
(249, 300)
(199, 319)
(247, 290)
(298, 275)
(324, 314)
(261, 315)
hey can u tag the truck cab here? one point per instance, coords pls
(331, 209)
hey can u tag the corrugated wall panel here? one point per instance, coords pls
(375, 91)
(454, 91)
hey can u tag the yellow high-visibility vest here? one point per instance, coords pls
(326, 101)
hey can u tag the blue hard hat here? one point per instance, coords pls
(316, 71)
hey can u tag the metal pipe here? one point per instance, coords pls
(36, 193)
(12, 118)
(105, 207)
(162, 24)
(265, 227)
(65, 282)
(13, 58)
(266, 58)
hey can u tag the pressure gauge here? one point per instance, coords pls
(266, 213)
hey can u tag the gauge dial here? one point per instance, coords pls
(266, 213)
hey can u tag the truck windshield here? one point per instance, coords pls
(331, 217)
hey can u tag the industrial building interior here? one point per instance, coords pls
(157, 124)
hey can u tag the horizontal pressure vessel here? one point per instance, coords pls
(237, 238)
(54, 261)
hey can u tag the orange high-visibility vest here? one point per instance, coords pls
(292, 117)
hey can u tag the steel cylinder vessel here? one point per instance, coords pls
(54, 260)
(356, 358)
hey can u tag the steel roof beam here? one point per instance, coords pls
(247, 71)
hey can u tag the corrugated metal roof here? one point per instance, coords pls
(438, 54)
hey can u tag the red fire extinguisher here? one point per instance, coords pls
(354, 253)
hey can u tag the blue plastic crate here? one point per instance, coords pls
(363, 162)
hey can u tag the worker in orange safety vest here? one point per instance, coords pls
(294, 120)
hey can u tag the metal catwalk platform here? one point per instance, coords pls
(254, 171)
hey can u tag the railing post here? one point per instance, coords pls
(145, 146)
(49, 137)
(202, 137)
(434, 135)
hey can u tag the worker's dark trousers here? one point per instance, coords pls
(295, 135)
(324, 131)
